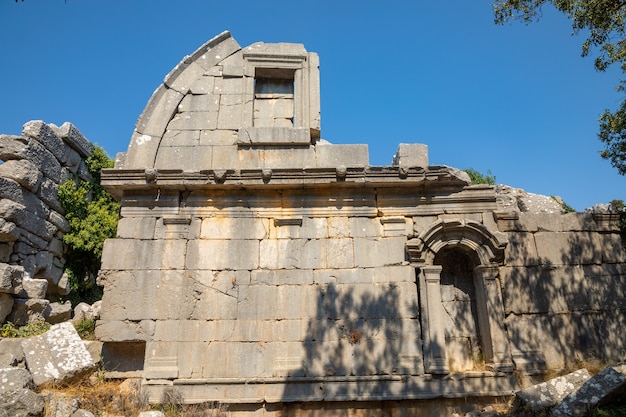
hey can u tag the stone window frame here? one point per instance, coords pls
(305, 128)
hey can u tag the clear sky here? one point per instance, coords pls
(517, 100)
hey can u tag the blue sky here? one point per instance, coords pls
(517, 100)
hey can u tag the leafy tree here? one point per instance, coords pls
(603, 22)
(92, 214)
(479, 178)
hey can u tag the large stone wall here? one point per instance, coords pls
(31, 218)
(271, 267)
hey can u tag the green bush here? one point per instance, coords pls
(479, 178)
(86, 329)
(9, 329)
(92, 214)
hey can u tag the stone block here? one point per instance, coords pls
(17, 200)
(371, 252)
(14, 147)
(58, 312)
(340, 253)
(74, 138)
(230, 114)
(122, 331)
(23, 172)
(16, 397)
(11, 354)
(573, 248)
(33, 288)
(136, 227)
(204, 120)
(182, 77)
(149, 295)
(11, 277)
(218, 137)
(550, 393)
(222, 254)
(411, 155)
(338, 227)
(278, 136)
(613, 250)
(6, 305)
(300, 157)
(190, 158)
(202, 86)
(365, 227)
(137, 254)
(282, 277)
(521, 250)
(9, 232)
(308, 228)
(182, 138)
(59, 221)
(44, 134)
(608, 383)
(234, 228)
(328, 155)
(28, 311)
(58, 355)
(48, 192)
(229, 85)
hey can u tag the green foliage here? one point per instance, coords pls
(603, 23)
(92, 214)
(31, 329)
(86, 329)
(610, 411)
(479, 178)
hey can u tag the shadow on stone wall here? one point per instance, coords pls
(566, 306)
(361, 339)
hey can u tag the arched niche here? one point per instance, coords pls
(483, 252)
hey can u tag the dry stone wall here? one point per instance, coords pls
(31, 218)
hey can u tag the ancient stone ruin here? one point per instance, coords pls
(259, 265)
(32, 224)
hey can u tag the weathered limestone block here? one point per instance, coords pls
(59, 221)
(218, 137)
(9, 232)
(222, 254)
(270, 135)
(134, 254)
(58, 355)
(180, 138)
(6, 305)
(28, 310)
(136, 227)
(521, 250)
(193, 158)
(15, 147)
(608, 383)
(11, 277)
(148, 295)
(194, 121)
(550, 393)
(565, 248)
(23, 172)
(16, 397)
(376, 252)
(298, 228)
(44, 134)
(74, 138)
(33, 288)
(365, 227)
(48, 193)
(124, 331)
(200, 102)
(58, 312)
(234, 228)
(59, 404)
(15, 196)
(11, 353)
(411, 155)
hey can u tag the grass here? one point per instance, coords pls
(31, 329)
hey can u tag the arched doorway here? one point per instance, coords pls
(460, 298)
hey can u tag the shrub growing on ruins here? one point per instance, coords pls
(92, 214)
(479, 178)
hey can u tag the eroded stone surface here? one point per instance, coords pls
(58, 355)
(552, 392)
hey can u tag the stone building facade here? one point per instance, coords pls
(257, 264)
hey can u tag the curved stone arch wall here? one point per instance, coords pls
(486, 250)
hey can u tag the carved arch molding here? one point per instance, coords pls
(486, 250)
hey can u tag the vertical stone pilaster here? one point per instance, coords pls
(495, 344)
(435, 361)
